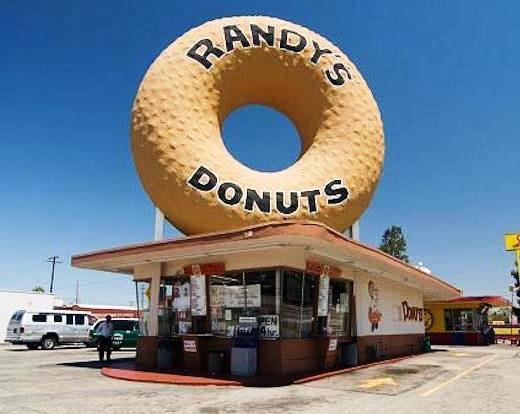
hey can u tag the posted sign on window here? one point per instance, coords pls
(269, 326)
(198, 295)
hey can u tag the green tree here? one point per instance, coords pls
(38, 289)
(394, 243)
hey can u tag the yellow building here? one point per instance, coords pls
(460, 321)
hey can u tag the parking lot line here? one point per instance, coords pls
(458, 376)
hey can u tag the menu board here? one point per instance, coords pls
(198, 295)
(323, 296)
(236, 296)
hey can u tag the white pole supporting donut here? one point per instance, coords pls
(159, 225)
(353, 231)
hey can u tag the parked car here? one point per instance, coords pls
(48, 328)
(126, 331)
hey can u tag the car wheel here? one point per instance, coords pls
(48, 343)
(32, 346)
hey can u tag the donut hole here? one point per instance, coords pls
(285, 82)
(261, 138)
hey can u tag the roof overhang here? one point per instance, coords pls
(496, 301)
(315, 239)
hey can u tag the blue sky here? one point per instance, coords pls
(445, 75)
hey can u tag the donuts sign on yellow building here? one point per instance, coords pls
(224, 64)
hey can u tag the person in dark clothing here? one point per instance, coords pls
(105, 331)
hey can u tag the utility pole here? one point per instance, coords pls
(77, 292)
(53, 260)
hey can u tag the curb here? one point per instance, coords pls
(179, 379)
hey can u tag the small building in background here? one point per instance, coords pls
(461, 320)
(100, 311)
(10, 301)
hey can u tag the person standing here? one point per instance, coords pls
(105, 331)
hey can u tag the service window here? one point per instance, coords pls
(39, 318)
(458, 319)
(297, 314)
(340, 292)
(79, 319)
(58, 318)
(70, 319)
(251, 293)
(175, 307)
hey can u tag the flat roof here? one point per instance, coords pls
(315, 237)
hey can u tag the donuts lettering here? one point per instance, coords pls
(231, 193)
(186, 94)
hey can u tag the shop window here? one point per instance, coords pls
(297, 305)
(143, 295)
(458, 319)
(175, 307)
(337, 321)
(241, 294)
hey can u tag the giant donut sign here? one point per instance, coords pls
(221, 65)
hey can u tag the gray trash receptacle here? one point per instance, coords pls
(243, 361)
(164, 355)
(349, 355)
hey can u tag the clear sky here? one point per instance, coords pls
(445, 75)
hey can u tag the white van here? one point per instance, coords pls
(48, 328)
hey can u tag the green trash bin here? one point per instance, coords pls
(426, 346)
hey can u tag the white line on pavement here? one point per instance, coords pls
(458, 376)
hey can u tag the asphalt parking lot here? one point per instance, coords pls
(452, 379)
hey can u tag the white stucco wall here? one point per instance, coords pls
(390, 294)
(12, 301)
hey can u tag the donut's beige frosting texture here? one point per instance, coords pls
(181, 105)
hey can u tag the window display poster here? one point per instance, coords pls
(333, 344)
(269, 326)
(198, 295)
(236, 296)
(323, 296)
(181, 296)
(217, 295)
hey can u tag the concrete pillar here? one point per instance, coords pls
(152, 273)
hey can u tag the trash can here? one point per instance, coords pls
(243, 362)
(373, 353)
(245, 344)
(426, 345)
(349, 355)
(164, 355)
(217, 362)
(458, 338)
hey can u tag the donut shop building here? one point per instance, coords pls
(317, 299)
